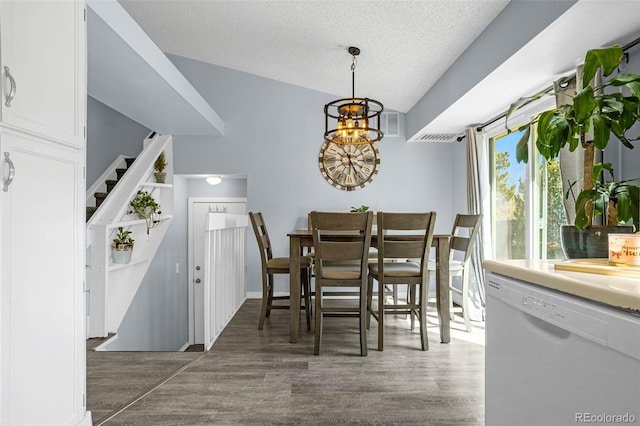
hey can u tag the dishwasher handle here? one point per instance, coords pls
(547, 328)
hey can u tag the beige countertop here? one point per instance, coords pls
(613, 290)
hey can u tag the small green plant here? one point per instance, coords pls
(123, 238)
(161, 163)
(360, 209)
(144, 206)
(616, 201)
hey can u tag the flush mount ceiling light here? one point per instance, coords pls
(354, 118)
(214, 180)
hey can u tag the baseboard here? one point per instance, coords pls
(184, 347)
(85, 420)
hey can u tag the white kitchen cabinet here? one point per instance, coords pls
(43, 68)
(42, 200)
(42, 341)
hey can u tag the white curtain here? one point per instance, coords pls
(478, 202)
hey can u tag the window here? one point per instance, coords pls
(526, 199)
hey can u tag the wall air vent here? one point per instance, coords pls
(435, 137)
(390, 123)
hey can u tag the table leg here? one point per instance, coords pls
(442, 288)
(294, 288)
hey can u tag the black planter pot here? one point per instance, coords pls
(591, 242)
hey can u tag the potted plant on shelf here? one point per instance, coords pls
(568, 125)
(144, 206)
(122, 246)
(159, 166)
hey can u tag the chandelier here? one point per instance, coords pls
(356, 121)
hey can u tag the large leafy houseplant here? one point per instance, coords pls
(604, 114)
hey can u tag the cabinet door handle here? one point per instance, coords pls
(12, 172)
(12, 90)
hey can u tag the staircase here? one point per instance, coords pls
(112, 287)
(109, 184)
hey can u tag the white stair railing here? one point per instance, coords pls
(225, 278)
(112, 287)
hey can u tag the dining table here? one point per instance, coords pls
(303, 238)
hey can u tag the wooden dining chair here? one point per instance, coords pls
(463, 237)
(402, 236)
(278, 265)
(344, 237)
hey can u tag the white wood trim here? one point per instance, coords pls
(104, 346)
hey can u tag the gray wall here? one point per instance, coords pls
(109, 134)
(273, 135)
(515, 26)
(236, 187)
(626, 162)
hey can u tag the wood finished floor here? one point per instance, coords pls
(253, 377)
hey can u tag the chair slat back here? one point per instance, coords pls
(341, 236)
(405, 235)
(262, 236)
(464, 234)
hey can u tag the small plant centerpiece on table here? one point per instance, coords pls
(122, 246)
(360, 209)
(144, 206)
(567, 126)
(159, 166)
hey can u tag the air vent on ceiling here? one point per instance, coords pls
(435, 137)
(390, 123)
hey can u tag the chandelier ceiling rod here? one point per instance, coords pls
(354, 52)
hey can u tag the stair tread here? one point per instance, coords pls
(100, 194)
(90, 211)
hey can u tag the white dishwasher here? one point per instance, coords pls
(556, 359)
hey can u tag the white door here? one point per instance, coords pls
(199, 211)
(43, 68)
(42, 346)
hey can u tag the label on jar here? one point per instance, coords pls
(624, 249)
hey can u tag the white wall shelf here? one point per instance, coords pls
(136, 222)
(157, 185)
(134, 262)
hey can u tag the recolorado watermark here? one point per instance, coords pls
(604, 418)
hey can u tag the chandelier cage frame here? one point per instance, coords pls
(356, 121)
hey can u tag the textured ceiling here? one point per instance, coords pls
(406, 45)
